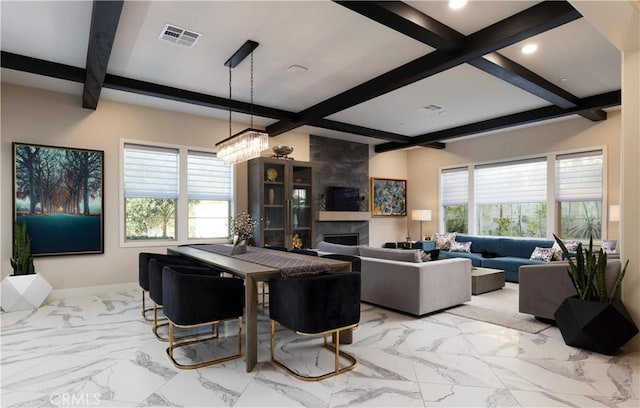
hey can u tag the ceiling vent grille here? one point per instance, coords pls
(179, 35)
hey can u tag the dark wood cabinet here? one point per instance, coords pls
(280, 196)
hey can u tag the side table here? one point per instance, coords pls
(486, 279)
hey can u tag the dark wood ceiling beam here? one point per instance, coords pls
(535, 20)
(195, 98)
(403, 18)
(360, 130)
(37, 66)
(596, 102)
(104, 24)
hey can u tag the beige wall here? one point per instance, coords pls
(577, 133)
(35, 116)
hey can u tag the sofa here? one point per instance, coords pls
(508, 254)
(544, 287)
(398, 279)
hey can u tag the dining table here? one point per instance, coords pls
(252, 273)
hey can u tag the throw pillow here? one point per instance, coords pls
(431, 255)
(571, 245)
(490, 254)
(460, 246)
(542, 254)
(444, 240)
(557, 252)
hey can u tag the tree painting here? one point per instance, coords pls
(58, 194)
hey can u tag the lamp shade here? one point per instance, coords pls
(614, 213)
(421, 215)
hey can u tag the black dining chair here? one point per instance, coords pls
(156, 265)
(356, 262)
(198, 297)
(319, 305)
(143, 275)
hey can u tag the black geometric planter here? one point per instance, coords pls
(596, 326)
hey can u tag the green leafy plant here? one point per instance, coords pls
(587, 271)
(22, 260)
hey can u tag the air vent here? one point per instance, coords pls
(179, 35)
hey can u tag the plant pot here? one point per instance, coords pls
(240, 247)
(24, 292)
(597, 326)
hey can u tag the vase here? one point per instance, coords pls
(597, 326)
(240, 247)
(24, 292)
(272, 196)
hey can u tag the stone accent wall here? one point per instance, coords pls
(343, 164)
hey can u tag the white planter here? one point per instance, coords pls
(23, 292)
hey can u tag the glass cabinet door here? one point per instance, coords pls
(275, 204)
(301, 208)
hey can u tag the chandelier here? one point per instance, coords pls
(249, 143)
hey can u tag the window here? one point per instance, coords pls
(579, 194)
(511, 198)
(150, 192)
(174, 194)
(455, 188)
(209, 192)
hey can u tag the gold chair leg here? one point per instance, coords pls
(174, 345)
(336, 349)
(145, 309)
(214, 332)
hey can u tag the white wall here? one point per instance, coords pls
(31, 115)
(577, 133)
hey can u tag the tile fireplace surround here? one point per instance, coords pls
(91, 344)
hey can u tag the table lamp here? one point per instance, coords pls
(421, 215)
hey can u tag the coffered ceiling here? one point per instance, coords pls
(391, 74)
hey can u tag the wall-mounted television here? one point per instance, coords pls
(343, 199)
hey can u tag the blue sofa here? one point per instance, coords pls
(509, 254)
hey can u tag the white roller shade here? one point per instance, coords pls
(579, 176)
(513, 182)
(208, 178)
(455, 186)
(150, 172)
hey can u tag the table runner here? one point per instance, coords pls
(288, 266)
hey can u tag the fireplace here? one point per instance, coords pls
(344, 239)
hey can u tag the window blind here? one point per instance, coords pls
(150, 172)
(455, 186)
(208, 178)
(579, 176)
(513, 182)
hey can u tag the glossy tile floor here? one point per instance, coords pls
(90, 348)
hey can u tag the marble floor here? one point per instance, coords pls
(90, 348)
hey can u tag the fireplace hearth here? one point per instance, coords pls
(343, 239)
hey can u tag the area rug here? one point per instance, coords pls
(500, 307)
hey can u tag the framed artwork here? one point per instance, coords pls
(58, 193)
(388, 197)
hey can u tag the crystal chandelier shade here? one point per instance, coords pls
(249, 143)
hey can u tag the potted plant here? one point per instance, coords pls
(595, 318)
(25, 289)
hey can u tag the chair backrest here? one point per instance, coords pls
(356, 262)
(155, 272)
(390, 245)
(277, 248)
(304, 252)
(314, 304)
(192, 295)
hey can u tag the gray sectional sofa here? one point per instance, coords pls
(398, 279)
(508, 254)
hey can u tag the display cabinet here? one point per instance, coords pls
(280, 196)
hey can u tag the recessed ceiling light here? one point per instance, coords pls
(297, 69)
(457, 4)
(429, 108)
(563, 79)
(529, 49)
